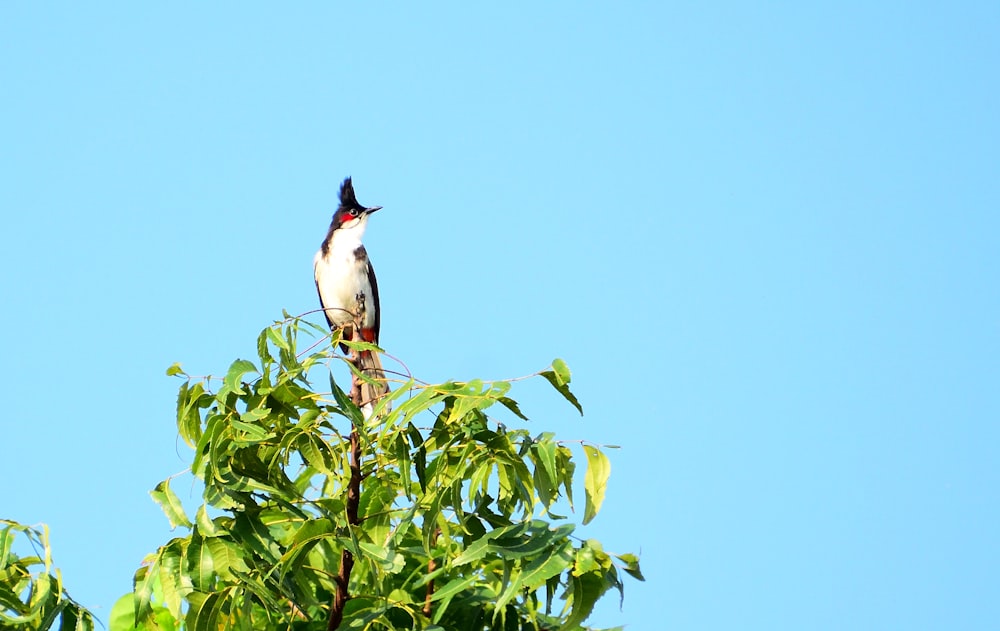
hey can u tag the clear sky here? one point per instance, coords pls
(765, 238)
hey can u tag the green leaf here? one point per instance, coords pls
(313, 530)
(360, 345)
(191, 399)
(511, 405)
(251, 433)
(170, 578)
(345, 405)
(591, 557)
(262, 592)
(454, 586)
(199, 564)
(276, 339)
(73, 617)
(539, 540)
(255, 416)
(559, 377)
(400, 596)
(360, 612)
(545, 488)
(171, 504)
(204, 612)
(6, 541)
(425, 398)
(317, 453)
(122, 616)
(255, 536)
(42, 594)
(493, 541)
(561, 369)
(420, 466)
(175, 369)
(538, 571)
(142, 592)
(263, 352)
(631, 565)
(586, 590)
(238, 368)
(227, 557)
(595, 482)
(545, 449)
(206, 526)
(9, 601)
(474, 551)
(512, 585)
(567, 469)
(388, 560)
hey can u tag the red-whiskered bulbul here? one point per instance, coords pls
(346, 283)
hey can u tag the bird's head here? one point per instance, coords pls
(351, 215)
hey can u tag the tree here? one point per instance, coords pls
(425, 513)
(31, 592)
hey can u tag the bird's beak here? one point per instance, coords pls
(369, 211)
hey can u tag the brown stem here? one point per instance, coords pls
(431, 566)
(341, 596)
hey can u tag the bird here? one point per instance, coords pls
(346, 284)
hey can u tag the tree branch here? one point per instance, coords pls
(431, 566)
(341, 596)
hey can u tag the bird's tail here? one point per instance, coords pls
(370, 365)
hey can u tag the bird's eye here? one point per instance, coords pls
(354, 212)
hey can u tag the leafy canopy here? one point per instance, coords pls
(32, 595)
(455, 514)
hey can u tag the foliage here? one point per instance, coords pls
(456, 527)
(31, 591)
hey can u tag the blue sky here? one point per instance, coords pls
(765, 238)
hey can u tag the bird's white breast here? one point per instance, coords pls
(341, 276)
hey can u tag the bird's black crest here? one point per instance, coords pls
(347, 198)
